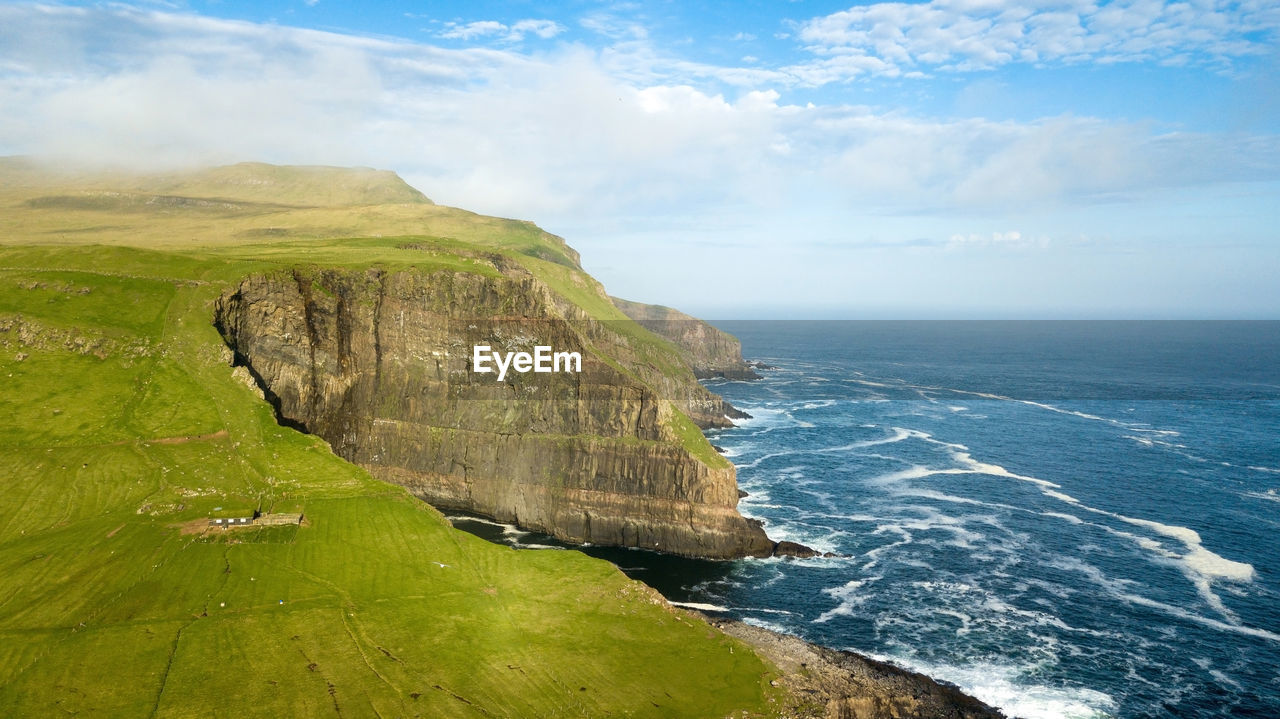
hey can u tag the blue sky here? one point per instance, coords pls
(952, 158)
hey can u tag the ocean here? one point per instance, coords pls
(1065, 519)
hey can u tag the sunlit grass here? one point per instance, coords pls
(121, 424)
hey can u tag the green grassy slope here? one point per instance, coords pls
(121, 422)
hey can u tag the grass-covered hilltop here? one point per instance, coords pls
(124, 429)
(291, 343)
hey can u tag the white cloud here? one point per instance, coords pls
(1012, 239)
(576, 133)
(981, 34)
(545, 29)
(516, 32)
(634, 157)
(472, 30)
(614, 27)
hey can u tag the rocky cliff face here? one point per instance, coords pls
(378, 363)
(711, 352)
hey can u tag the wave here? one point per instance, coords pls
(818, 404)
(508, 530)
(1175, 447)
(820, 538)
(1118, 588)
(700, 606)
(1269, 495)
(1130, 426)
(848, 596)
(897, 434)
(1159, 571)
(764, 624)
(721, 609)
(1006, 688)
(1200, 565)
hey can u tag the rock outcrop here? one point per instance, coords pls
(711, 352)
(378, 363)
(827, 684)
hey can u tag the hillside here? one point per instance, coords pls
(124, 429)
(711, 352)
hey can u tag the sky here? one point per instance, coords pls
(759, 158)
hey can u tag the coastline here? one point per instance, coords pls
(820, 681)
(837, 684)
(841, 684)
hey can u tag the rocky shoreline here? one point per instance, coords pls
(830, 684)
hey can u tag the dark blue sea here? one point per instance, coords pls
(1066, 519)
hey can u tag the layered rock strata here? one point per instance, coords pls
(378, 363)
(711, 352)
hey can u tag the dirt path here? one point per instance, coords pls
(174, 440)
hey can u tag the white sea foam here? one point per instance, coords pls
(816, 536)
(1175, 447)
(508, 530)
(848, 597)
(1120, 589)
(874, 554)
(1201, 566)
(763, 610)
(1224, 679)
(1199, 619)
(869, 383)
(915, 471)
(700, 606)
(761, 416)
(763, 624)
(771, 455)
(1198, 558)
(819, 404)
(897, 435)
(1271, 470)
(1004, 687)
(1130, 426)
(1269, 495)
(965, 620)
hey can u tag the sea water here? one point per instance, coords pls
(1066, 519)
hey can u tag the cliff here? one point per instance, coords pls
(711, 352)
(377, 362)
(125, 433)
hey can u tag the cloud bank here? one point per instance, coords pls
(638, 156)
(562, 133)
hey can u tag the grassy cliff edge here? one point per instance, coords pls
(124, 428)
